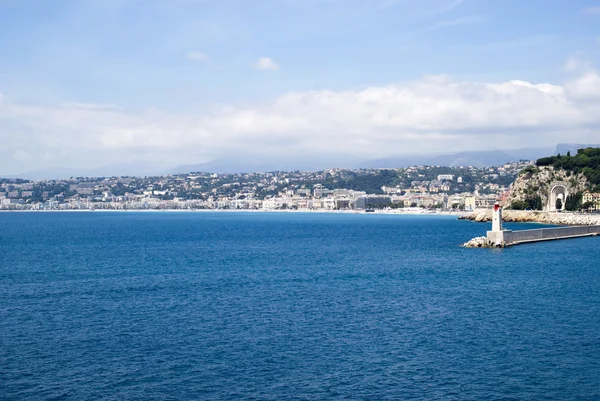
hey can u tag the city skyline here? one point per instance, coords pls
(426, 187)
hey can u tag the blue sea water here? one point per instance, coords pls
(291, 306)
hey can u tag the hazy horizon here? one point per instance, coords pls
(248, 163)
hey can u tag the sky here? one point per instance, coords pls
(92, 83)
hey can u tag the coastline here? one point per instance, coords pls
(417, 212)
(521, 216)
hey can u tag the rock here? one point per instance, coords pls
(479, 242)
(483, 216)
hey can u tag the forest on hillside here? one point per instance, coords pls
(586, 161)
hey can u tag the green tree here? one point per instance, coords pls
(559, 204)
(587, 205)
(519, 205)
(573, 201)
(534, 202)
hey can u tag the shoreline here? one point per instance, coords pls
(376, 212)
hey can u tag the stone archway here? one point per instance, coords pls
(558, 191)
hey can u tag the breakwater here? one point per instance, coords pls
(520, 216)
(507, 238)
(547, 234)
(500, 238)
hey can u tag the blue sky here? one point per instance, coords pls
(191, 72)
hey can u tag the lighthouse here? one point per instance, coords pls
(497, 218)
(497, 237)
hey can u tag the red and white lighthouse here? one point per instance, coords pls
(497, 218)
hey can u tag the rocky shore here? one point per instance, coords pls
(521, 216)
(481, 242)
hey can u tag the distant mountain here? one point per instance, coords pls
(563, 148)
(260, 163)
(247, 164)
(126, 169)
(475, 158)
(242, 164)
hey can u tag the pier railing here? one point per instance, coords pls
(541, 234)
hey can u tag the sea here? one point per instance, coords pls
(291, 306)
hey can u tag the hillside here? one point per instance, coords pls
(586, 161)
(556, 182)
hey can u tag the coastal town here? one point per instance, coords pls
(419, 188)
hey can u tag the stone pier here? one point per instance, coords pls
(498, 237)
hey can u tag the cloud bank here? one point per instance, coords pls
(591, 10)
(432, 114)
(266, 64)
(197, 56)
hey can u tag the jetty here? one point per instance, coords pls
(501, 238)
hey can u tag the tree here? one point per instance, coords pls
(519, 205)
(573, 201)
(534, 202)
(559, 204)
(587, 205)
(545, 161)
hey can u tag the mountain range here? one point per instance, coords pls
(255, 163)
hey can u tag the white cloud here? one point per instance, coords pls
(89, 106)
(472, 19)
(21, 156)
(197, 56)
(448, 7)
(514, 43)
(585, 87)
(390, 3)
(591, 10)
(266, 64)
(572, 64)
(433, 114)
(575, 63)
